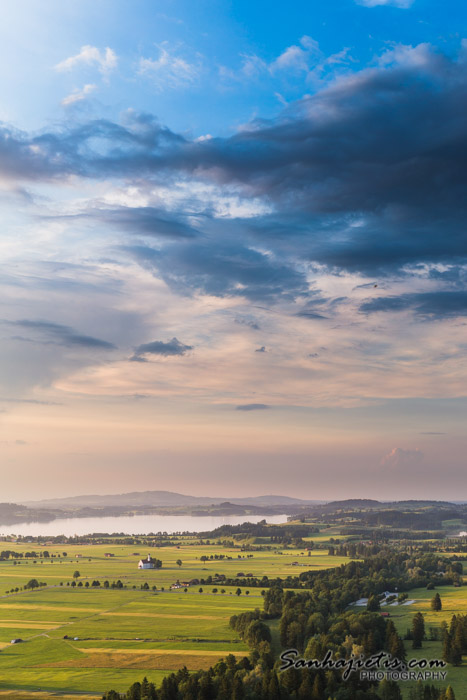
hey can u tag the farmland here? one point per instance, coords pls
(116, 634)
(454, 601)
(94, 621)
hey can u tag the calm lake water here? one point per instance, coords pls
(136, 525)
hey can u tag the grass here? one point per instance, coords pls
(454, 602)
(124, 634)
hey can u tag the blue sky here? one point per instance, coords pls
(233, 239)
(222, 44)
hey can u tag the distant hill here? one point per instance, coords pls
(354, 503)
(138, 499)
(369, 503)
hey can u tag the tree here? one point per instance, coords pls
(306, 688)
(418, 630)
(179, 562)
(76, 574)
(389, 690)
(134, 692)
(200, 590)
(318, 689)
(456, 654)
(373, 604)
(436, 603)
(32, 583)
(238, 591)
(446, 646)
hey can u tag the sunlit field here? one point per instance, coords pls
(89, 639)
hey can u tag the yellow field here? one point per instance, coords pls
(115, 636)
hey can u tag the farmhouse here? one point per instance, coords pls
(148, 563)
(108, 554)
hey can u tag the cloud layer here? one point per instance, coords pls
(347, 173)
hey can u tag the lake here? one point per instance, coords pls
(135, 525)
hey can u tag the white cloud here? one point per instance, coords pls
(395, 3)
(303, 58)
(169, 70)
(293, 58)
(399, 457)
(406, 55)
(253, 65)
(297, 58)
(90, 55)
(78, 95)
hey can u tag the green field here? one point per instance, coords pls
(92, 564)
(123, 634)
(454, 602)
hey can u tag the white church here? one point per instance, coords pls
(148, 563)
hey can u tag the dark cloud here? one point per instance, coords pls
(261, 349)
(95, 149)
(251, 324)
(158, 347)
(58, 334)
(369, 285)
(223, 268)
(146, 221)
(252, 407)
(311, 315)
(430, 305)
(366, 175)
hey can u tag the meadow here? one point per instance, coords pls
(79, 639)
(454, 602)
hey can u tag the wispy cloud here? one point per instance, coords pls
(105, 60)
(304, 58)
(169, 69)
(252, 407)
(428, 305)
(36, 402)
(394, 3)
(58, 334)
(78, 95)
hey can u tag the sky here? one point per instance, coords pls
(233, 257)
